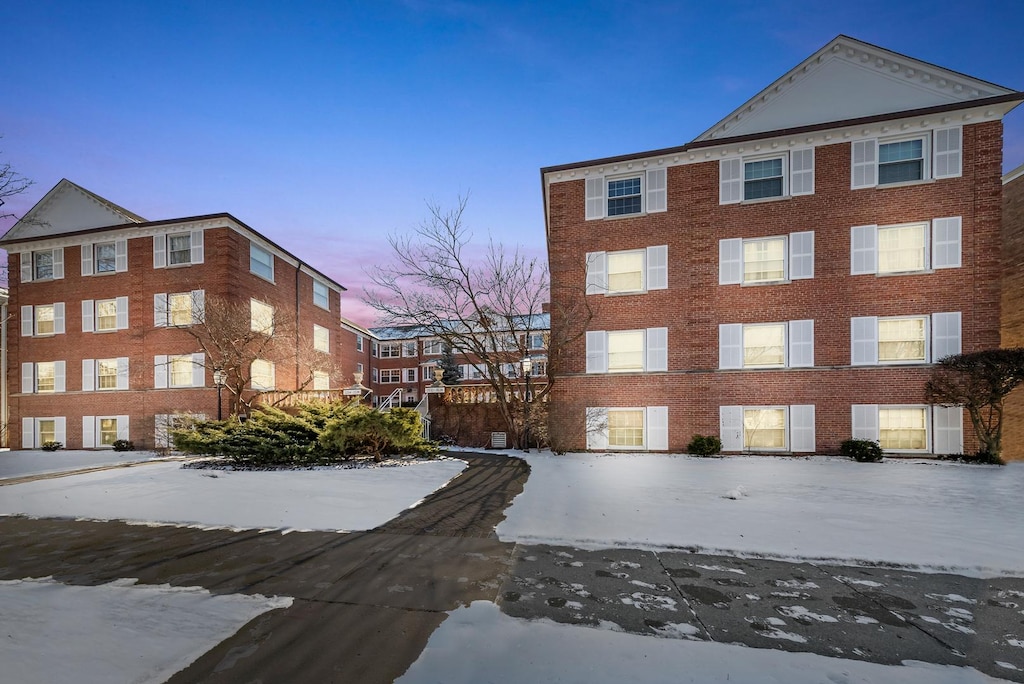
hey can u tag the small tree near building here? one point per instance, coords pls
(979, 382)
(448, 364)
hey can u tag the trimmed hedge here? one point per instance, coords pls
(704, 446)
(861, 450)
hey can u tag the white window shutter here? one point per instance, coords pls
(58, 263)
(122, 427)
(199, 370)
(946, 239)
(657, 190)
(730, 345)
(28, 433)
(864, 167)
(160, 251)
(597, 428)
(88, 432)
(120, 256)
(28, 378)
(730, 181)
(87, 259)
(28, 321)
(801, 344)
(863, 250)
(864, 340)
(801, 169)
(60, 430)
(58, 318)
(657, 267)
(948, 156)
(595, 198)
(160, 371)
(801, 255)
(730, 261)
(657, 428)
(597, 273)
(730, 427)
(948, 429)
(122, 312)
(88, 375)
(25, 259)
(657, 349)
(801, 428)
(865, 421)
(59, 376)
(597, 351)
(87, 315)
(160, 310)
(945, 335)
(122, 373)
(198, 306)
(197, 247)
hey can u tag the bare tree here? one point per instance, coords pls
(241, 342)
(486, 307)
(11, 183)
(980, 382)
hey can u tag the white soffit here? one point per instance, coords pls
(848, 79)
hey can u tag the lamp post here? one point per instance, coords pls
(527, 364)
(219, 377)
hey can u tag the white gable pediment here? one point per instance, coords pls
(848, 79)
(68, 208)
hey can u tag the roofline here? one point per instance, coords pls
(1013, 175)
(809, 128)
(104, 200)
(167, 222)
(355, 327)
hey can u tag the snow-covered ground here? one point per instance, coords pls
(21, 463)
(165, 493)
(935, 515)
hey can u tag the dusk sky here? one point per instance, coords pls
(327, 125)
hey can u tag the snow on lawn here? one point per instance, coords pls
(115, 632)
(478, 643)
(21, 463)
(930, 514)
(339, 499)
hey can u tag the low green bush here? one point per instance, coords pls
(861, 450)
(123, 445)
(51, 446)
(704, 446)
(982, 457)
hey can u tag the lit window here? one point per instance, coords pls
(106, 374)
(902, 248)
(45, 377)
(359, 343)
(626, 428)
(903, 429)
(42, 265)
(433, 347)
(764, 260)
(321, 380)
(764, 428)
(180, 305)
(261, 317)
(624, 196)
(625, 351)
(901, 161)
(901, 339)
(321, 339)
(179, 249)
(180, 370)
(762, 178)
(47, 428)
(44, 319)
(106, 314)
(321, 295)
(764, 345)
(390, 350)
(262, 374)
(261, 262)
(104, 257)
(626, 271)
(393, 376)
(108, 431)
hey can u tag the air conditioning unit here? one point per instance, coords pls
(499, 440)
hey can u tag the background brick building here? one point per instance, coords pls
(1013, 304)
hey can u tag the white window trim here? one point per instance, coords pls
(161, 249)
(732, 180)
(926, 155)
(653, 194)
(654, 351)
(261, 387)
(327, 292)
(943, 236)
(731, 345)
(873, 432)
(257, 249)
(326, 334)
(785, 428)
(390, 374)
(932, 150)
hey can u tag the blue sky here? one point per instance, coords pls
(328, 125)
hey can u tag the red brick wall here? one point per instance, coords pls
(695, 304)
(1013, 309)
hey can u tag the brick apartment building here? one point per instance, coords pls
(102, 299)
(1013, 304)
(787, 279)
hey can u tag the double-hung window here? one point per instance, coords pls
(47, 430)
(389, 350)
(321, 295)
(391, 376)
(763, 178)
(628, 271)
(744, 179)
(766, 260)
(178, 249)
(767, 428)
(624, 196)
(262, 375)
(46, 264)
(901, 161)
(411, 374)
(42, 265)
(907, 247)
(43, 377)
(261, 317)
(409, 349)
(179, 370)
(42, 320)
(627, 351)
(261, 262)
(359, 343)
(46, 377)
(179, 309)
(626, 428)
(109, 256)
(433, 347)
(910, 428)
(764, 428)
(105, 315)
(644, 192)
(104, 257)
(321, 339)
(904, 339)
(105, 374)
(766, 345)
(45, 319)
(321, 380)
(180, 374)
(924, 156)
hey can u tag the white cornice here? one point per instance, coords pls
(1014, 175)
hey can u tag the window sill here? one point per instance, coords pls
(178, 265)
(904, 184)
(625, 216)
(767, 282)
(106, 273)
(904, 273)
(763, 200)
(263, 277)
(625, 294)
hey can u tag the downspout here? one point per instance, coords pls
(298, 271)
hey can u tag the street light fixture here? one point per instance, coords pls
(219, 378)
(527, 364)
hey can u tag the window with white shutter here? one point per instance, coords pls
(657, 267)
(730, 427)
(865, 421)
(946, 239)
(596, 427)
(657, 428)
(657, 191)
(802, 172)
(730, 261)
(657, 349)
(597, 356)
(864, 164)
(948, 145)
(767, 260)
(730, 181)
(801, 344)
(595, 198)
(801, 429)
(945, 335)
(597, 280)
(947, 430)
